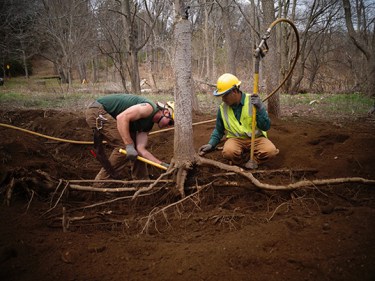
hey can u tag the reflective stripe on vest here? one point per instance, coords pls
(240, 129)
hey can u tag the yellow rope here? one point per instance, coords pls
(83, 142)
(45, 136)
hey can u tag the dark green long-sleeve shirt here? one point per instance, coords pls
(262, 119)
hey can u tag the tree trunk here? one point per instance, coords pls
(183, 141)
(183, 153)
(271, 61)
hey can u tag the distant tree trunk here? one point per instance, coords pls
(207, 48)
(150, 67)
(25, 64)
(285, 41)
(230, 62)
(271, 61)
(82, 72)
(364, 40)
(130, 37)
(95, 70)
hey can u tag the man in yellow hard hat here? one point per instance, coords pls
(124, 121)
(234, 117)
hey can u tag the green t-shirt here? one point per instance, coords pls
(116, 103)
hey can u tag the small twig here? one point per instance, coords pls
(64, 220)
(168, 172)
(196, 201)
(31, 199)
(58, 200)
(110, 201)
(115, 181)
(274, 212)
(156, 211)
(56, 189)
(9, 192)
(100, 189)
(150, 218)
(229, 219)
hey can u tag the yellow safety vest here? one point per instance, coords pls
(240, 129)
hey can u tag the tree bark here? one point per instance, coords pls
(183, 141)
(271, 61)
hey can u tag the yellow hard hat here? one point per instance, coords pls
(225, 83)
(170, 106)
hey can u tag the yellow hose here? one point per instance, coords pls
(45, 136)
(84, 142)
(296, 55)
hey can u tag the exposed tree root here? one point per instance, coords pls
(179, 183)
(272, 172)
(292, 186)
(182, 173)
(168, 172)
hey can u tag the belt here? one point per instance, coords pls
(95, 104)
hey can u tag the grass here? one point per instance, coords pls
(348, 104)
(49, 94)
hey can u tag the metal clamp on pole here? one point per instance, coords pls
(262, 49)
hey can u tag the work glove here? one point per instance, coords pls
(257, 102)
(131, 153)
(205, 148)
(166, 165)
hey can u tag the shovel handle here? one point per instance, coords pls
(123, 151)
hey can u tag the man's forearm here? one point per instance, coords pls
(148, 155)
(123, 129)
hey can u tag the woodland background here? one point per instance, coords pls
(115, 40)
(164, 47)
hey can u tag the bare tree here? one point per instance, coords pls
(363, 37)
(66, 31)
(19, 42)
(317, 20)
(122, 21)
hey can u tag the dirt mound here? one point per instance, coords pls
(229, 231)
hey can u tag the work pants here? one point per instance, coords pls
(238, 150)
(110, 133)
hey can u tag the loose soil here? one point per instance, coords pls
(230, 230)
